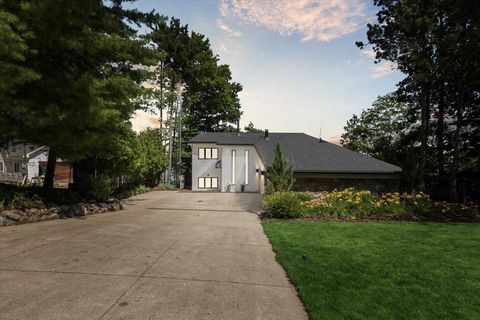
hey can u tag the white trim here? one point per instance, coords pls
(233, 166)
(246, 167)
(208, 183)
(29, 153)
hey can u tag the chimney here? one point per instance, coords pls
(266, 134)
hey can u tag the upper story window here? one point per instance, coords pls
(207, 153)
(2, 166)
(17, 167)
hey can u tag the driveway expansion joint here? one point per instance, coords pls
(50, 242)
(142, 275)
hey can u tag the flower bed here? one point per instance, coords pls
(351, 204)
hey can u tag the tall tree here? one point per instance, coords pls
(402, 35)
(435, 43)
(385, 131)
(13, 72)
(209, 96)
(84, 53)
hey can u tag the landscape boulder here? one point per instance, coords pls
(81, 210)
(12, 215)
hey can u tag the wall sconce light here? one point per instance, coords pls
(257, 170)
(263, 172)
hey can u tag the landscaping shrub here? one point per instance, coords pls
(351, 204)
(284, 205)
(141, 189)
(165, 186)
(99, 187)
(22, 201)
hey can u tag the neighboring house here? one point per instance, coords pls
(237, 162)
(20, 160)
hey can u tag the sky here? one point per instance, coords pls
(296, 59)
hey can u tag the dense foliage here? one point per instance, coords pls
(72, 74)
(77, 78)
(150, 159)
(387, 131)
(351, 204)
(192, 73)
(436, 44)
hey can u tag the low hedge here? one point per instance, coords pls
(284, 205)
(351, 203)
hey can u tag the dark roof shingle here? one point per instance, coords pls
(306, 153)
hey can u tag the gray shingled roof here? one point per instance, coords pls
(306, 153)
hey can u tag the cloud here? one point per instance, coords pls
(227, 30)
(322, 20)
(383, 69)
(369, 53)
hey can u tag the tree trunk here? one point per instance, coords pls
(170, 143)
(456, 151)
(425, 113)
(459, 107)
(174, 143)
(440, 132)
(80, 173)
(161, 97)
(50, 174)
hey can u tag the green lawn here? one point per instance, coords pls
(372, 270)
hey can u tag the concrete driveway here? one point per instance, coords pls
(169, 255)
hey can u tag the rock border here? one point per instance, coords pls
(11, 217)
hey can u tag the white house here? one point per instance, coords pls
(19, 160)
(237, 162)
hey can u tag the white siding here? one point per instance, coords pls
(255, 179)
(33, 164)
(205, 167)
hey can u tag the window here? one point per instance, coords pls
(208, 183)
(17, 167)
(233, 166)
(246, 166)
(207, 153)
(2, 165)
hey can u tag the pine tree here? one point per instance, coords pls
(83, 54)
(280, 172)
